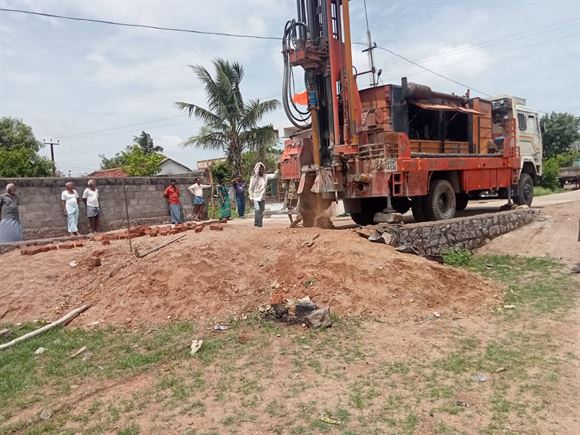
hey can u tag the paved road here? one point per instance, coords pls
(539, 201)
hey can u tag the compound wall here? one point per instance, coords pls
(41, 209)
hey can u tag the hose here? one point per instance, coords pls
(298, 117)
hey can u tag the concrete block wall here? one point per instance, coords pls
(433, 238)
(41, 210)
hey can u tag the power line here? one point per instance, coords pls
(501, 40)
(225, 34)
(505, 51)
(142, 26)
(433, 72)
(119, 128)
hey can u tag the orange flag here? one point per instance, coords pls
(301, 98)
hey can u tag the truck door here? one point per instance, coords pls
(530, 141)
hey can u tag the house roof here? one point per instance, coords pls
(105, 173)
(167, 159)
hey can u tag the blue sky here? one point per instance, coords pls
(68, 78)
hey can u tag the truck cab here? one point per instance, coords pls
(514, 121)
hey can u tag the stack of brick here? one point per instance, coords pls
(139, 231)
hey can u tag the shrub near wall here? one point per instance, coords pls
(41, 210)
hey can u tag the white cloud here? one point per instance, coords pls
(67, 77)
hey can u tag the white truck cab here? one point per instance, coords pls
(516, 121)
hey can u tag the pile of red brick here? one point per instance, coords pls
(138, 231)
(37, 249)
(154, 231)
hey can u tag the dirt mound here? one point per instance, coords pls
(214, 275)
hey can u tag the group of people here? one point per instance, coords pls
(256, 193)
(11, 228)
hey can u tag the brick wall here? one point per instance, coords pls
(41, 210)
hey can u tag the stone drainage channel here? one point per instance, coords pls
(431, 239)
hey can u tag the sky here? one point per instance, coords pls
(94, 86)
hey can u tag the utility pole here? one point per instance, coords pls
(52, 144)
(369, 49)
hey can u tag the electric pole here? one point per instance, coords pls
(52, 144)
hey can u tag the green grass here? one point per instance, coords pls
(541, 191)
(541, 284)
(115, 353)
(457, 257)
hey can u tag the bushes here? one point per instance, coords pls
(550, 177)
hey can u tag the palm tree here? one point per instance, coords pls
(230, 124)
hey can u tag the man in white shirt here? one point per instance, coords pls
(196, 190)
(91, 200)
(257, 191)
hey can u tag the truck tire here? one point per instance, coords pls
(401, 204)
(461, 200)
(418, 208)
(440, 201)
(525, 190)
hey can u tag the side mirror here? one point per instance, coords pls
(542, 126)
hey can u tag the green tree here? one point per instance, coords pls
(14, 133)
(138, 163)
(145, 141)
(221, 171)
(127, 157)
(19, 151)
(229, 123)
(114, 162)
(560, 131)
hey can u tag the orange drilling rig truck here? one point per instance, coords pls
(387, 147)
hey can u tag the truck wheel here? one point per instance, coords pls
(418, 208)
(525, 190)
(440, 201)
(461, 200)
(401, 204)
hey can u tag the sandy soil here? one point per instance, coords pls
(214, 275)
(554, 233)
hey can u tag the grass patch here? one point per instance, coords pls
(457, 257)
(542, 191)
(539, 283)
(116, 352)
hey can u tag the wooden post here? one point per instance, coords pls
(212, 190)
(127, 214)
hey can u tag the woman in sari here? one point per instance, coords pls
(223, 193)
(10, 228)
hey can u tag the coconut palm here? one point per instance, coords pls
(230, 124)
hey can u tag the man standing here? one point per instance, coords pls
(10, 228)
(70, 206)
(196, 190)
(240, 190)
(172, 195)
(91, 200)
(257, 191)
